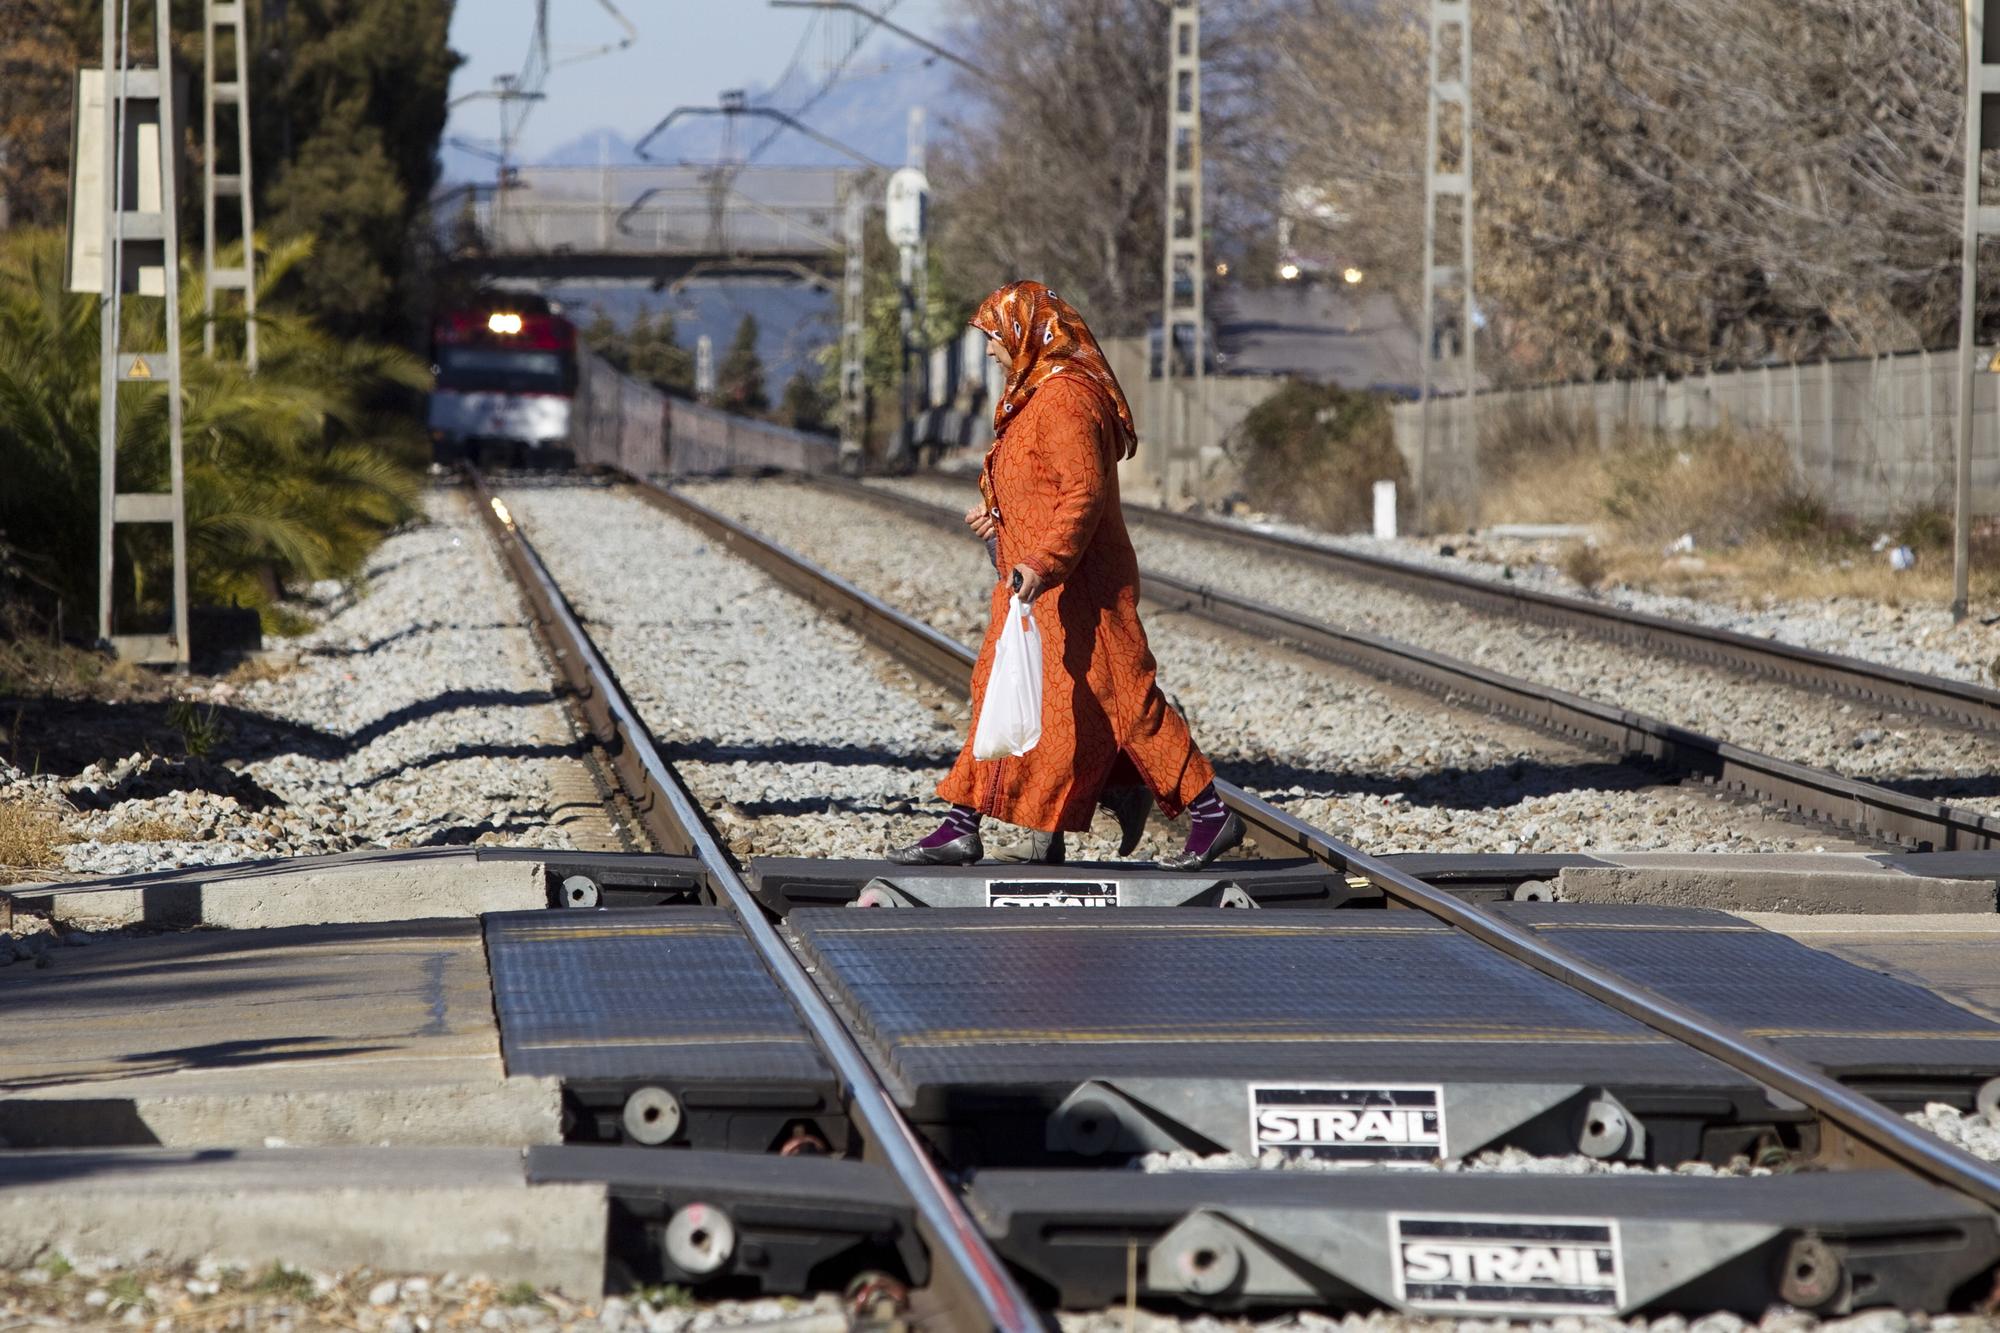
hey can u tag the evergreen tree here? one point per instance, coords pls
(739, 380)
(292, 474)
(653, 352)
(350, 103)
(41, 44)
(806, 402)
(649, 349)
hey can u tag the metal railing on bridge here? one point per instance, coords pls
(716, 213)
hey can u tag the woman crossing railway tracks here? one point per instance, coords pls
(1051, 516)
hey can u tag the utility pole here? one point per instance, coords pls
(853, 336)
(1183, 429)
(1982, 127)
(1442, 184)
(140, 256)
(226, 17)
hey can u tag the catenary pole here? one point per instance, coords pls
(1182, 431)
(1982, 82)
(1446, 89)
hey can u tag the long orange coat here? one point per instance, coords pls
(1053, 477)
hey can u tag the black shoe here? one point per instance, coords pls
(1033, 847)
(960, 851)
(1229, 838)
(1130, 805)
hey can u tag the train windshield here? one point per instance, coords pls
(501, 370)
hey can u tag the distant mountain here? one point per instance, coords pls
(867, 111)
(587, 150)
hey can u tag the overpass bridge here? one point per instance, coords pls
(662, 223)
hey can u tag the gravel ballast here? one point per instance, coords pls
(111, 1293)
(1920, 757)
(796, 737)
(1388, 768)
(418, 714)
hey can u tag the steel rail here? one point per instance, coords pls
(1873, 810)
(1851, 677)
(672, 813)
(1862, 1118)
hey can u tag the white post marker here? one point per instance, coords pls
(1385, 510)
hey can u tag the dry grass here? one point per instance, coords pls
(266, 666)
(31, 836)
(31, 666)
(1757, 531)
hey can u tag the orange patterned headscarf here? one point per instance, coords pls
(1045, 337)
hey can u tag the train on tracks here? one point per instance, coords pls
(514, 387)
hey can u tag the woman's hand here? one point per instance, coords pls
(983, 524)
(1027, 583)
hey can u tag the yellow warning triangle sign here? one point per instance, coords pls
(1994, 364)
(140, 370)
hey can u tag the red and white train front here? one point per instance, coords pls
(505, 383)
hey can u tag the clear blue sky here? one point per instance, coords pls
(687, 52)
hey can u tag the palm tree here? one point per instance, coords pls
(294, 473)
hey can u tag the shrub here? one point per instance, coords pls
(1313, 452)
(1723, 486)
(291, 474)
(1585, 565)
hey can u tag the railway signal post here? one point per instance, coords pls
(908, 208)
(853, 333)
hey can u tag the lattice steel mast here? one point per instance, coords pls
(225, 17)
(140, 255)
(1441, 184)
(1183, 417)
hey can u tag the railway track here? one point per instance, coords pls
(1194, 1253)
(1912, 692)
(978, 1285)
(1866, 808)
(1916, 693)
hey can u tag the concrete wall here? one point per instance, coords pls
(621, 422)
(1872, 437)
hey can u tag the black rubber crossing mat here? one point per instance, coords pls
(673, 994)
(1899, 1040)
(1489, 1244)
(956, 995)
(1072, 1033)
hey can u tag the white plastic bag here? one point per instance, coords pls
(1010, 718)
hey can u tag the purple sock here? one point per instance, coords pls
(1207, 814)
(962, 820)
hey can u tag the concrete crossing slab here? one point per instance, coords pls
(352, 1034)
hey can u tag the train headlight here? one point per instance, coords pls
(503, 322)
